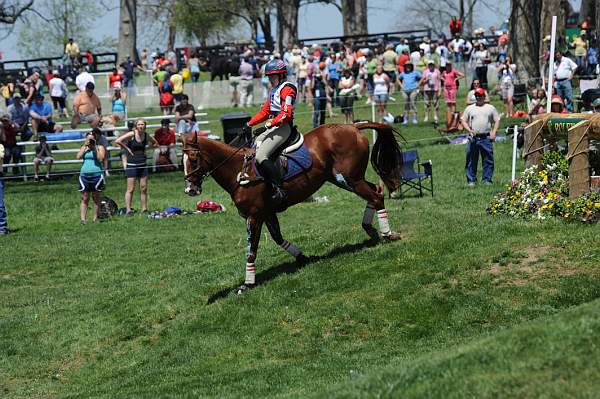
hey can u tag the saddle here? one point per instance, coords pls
(292, 158)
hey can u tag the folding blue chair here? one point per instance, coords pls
(413, 179)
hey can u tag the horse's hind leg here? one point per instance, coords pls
(374, 196)
(275, 231)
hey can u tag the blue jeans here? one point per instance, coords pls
(565, 91)
(474, 147)
(3, 219)
(319, 107)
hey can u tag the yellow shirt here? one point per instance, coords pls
(177, 83)
(72, 49)
(580, 47)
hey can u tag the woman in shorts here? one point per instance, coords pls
(135, 143)
(381, 88)
(91, 175)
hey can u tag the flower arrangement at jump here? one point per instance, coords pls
(543, 192)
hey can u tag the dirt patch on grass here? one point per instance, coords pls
(520, 267)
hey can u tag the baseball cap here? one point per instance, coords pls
(480, 91)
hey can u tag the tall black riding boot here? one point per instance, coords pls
(272, 175)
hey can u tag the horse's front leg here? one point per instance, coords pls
(253, 228)
(275, 231)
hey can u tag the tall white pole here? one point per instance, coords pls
(551, 66)
(514, 158)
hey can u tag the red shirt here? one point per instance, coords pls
(455, 26)
(10, 135)
(287, 109)
(164, 138)
(112, 79)
(403, 59)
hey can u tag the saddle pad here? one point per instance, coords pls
(297, 162)
(291, 164)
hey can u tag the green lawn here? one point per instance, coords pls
(466, 305)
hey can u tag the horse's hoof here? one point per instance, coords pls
(243, 289)
(302, 259)
(392, 236)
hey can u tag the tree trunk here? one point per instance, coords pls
(470, 17)
(287, 23)
(354, 16)
(128, 30)
(172, 34)
(525, 37)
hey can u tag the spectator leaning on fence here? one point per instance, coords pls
(19, 114)
(43, 154)
(86, 107)
(165, 137)
(3, 216)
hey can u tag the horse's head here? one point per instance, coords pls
(194, 165)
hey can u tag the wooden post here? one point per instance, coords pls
(534, 143)
(578, 157)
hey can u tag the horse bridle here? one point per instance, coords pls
(198, 166)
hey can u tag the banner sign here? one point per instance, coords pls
(562, 125)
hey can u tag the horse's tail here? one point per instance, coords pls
(386, 156)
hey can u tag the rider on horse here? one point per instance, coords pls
(279, 110)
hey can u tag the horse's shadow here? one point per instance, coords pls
(293, 267)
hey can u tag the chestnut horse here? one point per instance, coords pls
(340, 155)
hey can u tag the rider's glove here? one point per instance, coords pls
(247, 130)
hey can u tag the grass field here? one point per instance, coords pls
(466, 305)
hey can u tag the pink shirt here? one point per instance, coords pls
(450, 78)
(432, 80)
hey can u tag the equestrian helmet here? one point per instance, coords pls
(275, 67)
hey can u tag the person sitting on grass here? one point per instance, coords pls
(43, 154)
(91, 175)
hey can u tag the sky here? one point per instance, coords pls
(315, 20)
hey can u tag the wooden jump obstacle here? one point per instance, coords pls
(578, 128)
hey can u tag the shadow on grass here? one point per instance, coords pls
(292, 267)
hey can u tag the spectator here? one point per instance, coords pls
(381, 89)
(177, 84)
(318, 87)
(592, 62)
(538, 104)
(41, 117)
(581, 48)
(481, 58)
(89, 58)
(8, 90)
(424, 45)
(302, 78)
(86, 107)
(72, 51)
(58, 94)
(389, 59)
(403, 58)
(507, 79)
(347, 93)
(450, 79)
(165, 138)
(564, 70)
(333, 69)
(557, 105)
(166, 99)
(371, 68)
(185, 116)
(457, 47)
(129, 68)
(119, 103)
(264, 82)
(91, 175)
(159, 76)
(115, 78)
(38, 84)
(234, 81)
(246, 83)
(19, 114)
(294, 63)
(30, 91)
(432, 88)
(8, 130)
(481, 121)
(3, 217)
(409, 84)
(444, 53)
(43, 154)
(83, 79)
(402, 46)
(135, 143)
(455, 26)
(475, 84)
(103, 141)
(193, 63)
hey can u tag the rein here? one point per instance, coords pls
(210, 172)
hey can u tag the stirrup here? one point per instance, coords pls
(279, 195)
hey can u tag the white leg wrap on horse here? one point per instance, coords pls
(384, 224)
(368, 215)
(291, 248)
(250, 275)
